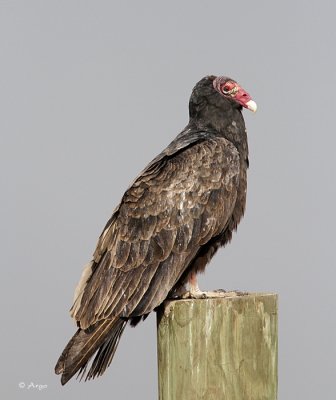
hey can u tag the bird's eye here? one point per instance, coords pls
(229, 88)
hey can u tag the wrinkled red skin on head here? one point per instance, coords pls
(241, 96)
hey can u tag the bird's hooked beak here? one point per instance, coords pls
(243, 98)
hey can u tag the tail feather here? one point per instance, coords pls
(105, 353)
(82, 346)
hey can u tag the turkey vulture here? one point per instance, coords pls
(170, 222)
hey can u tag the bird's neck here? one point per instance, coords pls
(230, 125)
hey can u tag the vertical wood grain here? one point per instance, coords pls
(222, 348)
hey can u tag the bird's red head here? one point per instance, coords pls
(229, 88)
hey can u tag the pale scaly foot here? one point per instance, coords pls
(196, 293)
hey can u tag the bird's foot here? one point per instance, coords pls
(224, 293)
(184, 293)
(199, 294)
(194, 293)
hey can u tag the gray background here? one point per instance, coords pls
(90, 92)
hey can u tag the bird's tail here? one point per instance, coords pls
(104, 337)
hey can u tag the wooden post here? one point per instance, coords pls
(218, 349)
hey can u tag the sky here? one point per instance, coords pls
(90, 92)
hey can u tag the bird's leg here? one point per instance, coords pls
(196, 293)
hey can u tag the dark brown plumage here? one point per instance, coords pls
(170, 222)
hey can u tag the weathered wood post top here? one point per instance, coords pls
(219, 348)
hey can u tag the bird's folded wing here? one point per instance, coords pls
(174, 207)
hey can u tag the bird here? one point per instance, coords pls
(170, 222)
